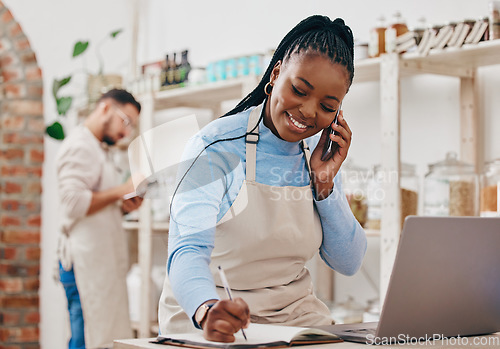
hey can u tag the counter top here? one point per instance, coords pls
(490, 341)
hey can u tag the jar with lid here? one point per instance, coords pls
(354, 183)
(450, 188)
(376, 45)
(490, 190)
(396, 28)
(376, 194)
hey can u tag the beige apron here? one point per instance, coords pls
(98, 248)
(263, 243)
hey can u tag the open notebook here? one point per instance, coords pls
(258, 335)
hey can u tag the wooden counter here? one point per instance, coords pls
(491, 341)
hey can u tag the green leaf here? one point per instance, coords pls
(115, 33)
(80, 48)
(63, 104)
(55, 131)
(57, 84)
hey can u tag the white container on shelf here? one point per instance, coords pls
(134, 292)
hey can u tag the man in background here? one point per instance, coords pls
(92, 252)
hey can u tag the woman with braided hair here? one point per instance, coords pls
(263, 194)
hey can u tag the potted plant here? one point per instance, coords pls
(95, 84)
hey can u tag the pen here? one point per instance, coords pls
(228, 290)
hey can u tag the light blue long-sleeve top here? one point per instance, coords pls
(211, 185)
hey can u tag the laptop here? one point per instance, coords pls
(445, 282)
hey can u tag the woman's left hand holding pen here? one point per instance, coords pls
(224, 319)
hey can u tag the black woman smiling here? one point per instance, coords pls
(262, 218)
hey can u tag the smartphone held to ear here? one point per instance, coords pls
(330, 147)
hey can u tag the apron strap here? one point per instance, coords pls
(251, 139)
(307, 155)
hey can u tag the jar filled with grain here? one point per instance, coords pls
(490, 190)
(408, 181)
(354, 183)
(451, 188)
(409, 191)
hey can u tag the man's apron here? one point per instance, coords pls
(263, 243)
(97, 247)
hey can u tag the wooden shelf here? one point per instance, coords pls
(208, 95)
(372, 232)
(157, 226)
(459, 62)
(367, 70)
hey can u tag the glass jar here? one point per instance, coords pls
(376, 45)
(450, 188)
(490, 190)
(354, 183)
(376, 195)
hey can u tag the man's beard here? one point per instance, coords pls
(108, 140)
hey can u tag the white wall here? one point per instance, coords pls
(224, 28)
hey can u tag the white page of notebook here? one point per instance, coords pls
(256, 334)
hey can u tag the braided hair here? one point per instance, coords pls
(332, 39)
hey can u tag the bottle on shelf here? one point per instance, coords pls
(177, 70)
(171, 70)
(396, 28)
(164, 71)
(376, 45)
(185, 66)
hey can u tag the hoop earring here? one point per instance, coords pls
(265, 88)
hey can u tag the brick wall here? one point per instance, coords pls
(21, 157)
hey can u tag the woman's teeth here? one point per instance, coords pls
(295, 122)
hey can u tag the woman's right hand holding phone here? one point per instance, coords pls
(324, 171)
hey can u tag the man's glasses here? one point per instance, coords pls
(127, 122)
